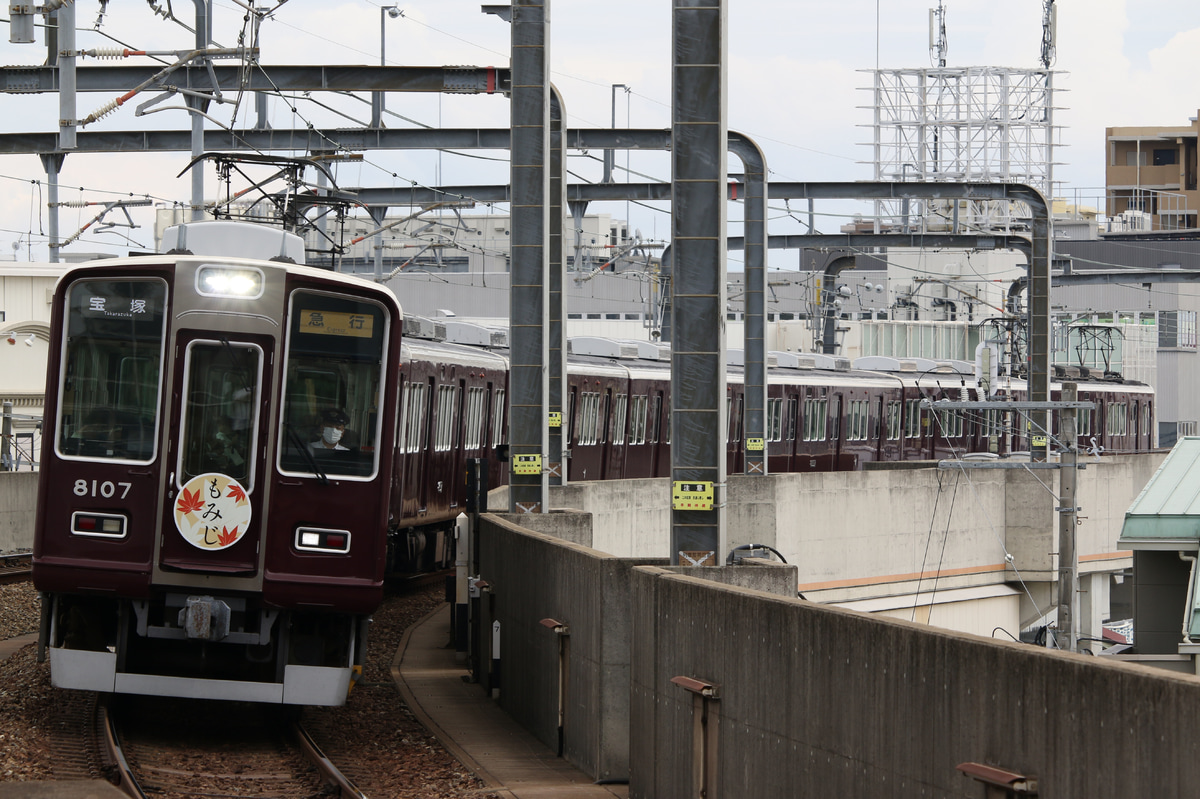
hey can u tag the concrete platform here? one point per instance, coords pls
(474, 729)
(11, 645)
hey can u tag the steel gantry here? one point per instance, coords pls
(751, 187)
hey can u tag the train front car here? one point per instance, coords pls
(212, 506)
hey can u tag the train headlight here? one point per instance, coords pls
(229, 281)
(317, 539)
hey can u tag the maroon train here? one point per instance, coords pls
(237, 452)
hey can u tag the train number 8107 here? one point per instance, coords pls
(107, 489)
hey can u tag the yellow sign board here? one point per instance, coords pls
(555, 419)
(692, 496)
(527, 464)
(755, 445)
(336, 323)
(1039, 441)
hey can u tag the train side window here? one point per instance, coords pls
(792, 409)
(950, 423)
(602, 432)
(414, 416)
(912, 418)
(572, 405)
(447, 420)
(1118, 415)
(588, 419)
(111, 380)
(475, 417)
(619, 413)
(637, 420)
(222, 382)
(734, 431)
(775, 419)
(862, 413)
(402, 417)
(815, 419)
(498, 427)
(893, 420)
(655, 419)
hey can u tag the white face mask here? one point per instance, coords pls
(332, 435)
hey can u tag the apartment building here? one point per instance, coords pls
(1151, 177)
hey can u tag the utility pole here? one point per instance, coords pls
(1068, 556)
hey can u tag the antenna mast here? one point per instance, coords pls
(1049, 26)
(937, 35)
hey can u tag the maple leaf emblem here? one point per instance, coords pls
(227, 537)
(237, 493)
(190, 502)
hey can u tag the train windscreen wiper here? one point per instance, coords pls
(308, 456)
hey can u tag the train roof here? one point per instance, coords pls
(141, 262)
(433, 349)
(915, 367)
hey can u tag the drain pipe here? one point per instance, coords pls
(1191, 587)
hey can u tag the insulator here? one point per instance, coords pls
(104, 111)
(106, 52)
(75, 204)
(963, 394)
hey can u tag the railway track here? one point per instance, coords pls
(15, 568)
(179, 749)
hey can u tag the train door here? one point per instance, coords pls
(791, 432)
(835, 434)
(880, 429)
(617, 451)
(413, 440)
(216, 440)
(733, 434)
(569, 444)
(602, 435)
(425, 456)
(467, 432)
(1148, 425)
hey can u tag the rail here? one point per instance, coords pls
(113, 751)
(15, 568)
(347, 789)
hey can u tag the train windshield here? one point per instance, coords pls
(223, 381)
(112, 367)
(332, 386)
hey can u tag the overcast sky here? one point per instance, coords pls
(796, 85)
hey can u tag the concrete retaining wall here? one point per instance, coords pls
(871, 533)
(535, 577)
(18, 510)
(818, 701)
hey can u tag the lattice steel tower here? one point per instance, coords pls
(962, 124)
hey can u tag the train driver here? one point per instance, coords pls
(333, 426)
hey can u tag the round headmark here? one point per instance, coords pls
(212, 511)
